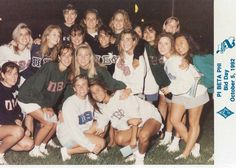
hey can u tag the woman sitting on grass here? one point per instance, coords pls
(78, 132)
(12, 133)
(135, 121)
(40, 93)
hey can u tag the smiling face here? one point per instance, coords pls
(91, 21)
(98, 93)
(81, 88)
(149, 35)
(77, 38)
(65, 58)
(70, 17)
(83, 58)
(24, 37)
(127, 43)
(10, 77)
(104, 39)
(164, 46)
(171, 26)
(181, 46)
(53, 38)
(119, 22)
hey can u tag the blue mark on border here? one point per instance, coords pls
(225, 112)
(227, 43)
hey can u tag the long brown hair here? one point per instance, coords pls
(44, 49)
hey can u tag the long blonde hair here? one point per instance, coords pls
(91, 70)
(16, 34)
(127, 22)
(44, 50)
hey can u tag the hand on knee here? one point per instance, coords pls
(134, 121)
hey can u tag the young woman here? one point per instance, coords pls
(78, 133)
(171, 25)
(70, 15)
(40, 93)
(12, 133)
(77, 36)
(18, 50)
(91, 23)
(46, 51)
(124, 71)
(119, 22)
(151, 58)
(106, 53)
(135, 121)
(85, 64)
(187, 47)
(182, 81)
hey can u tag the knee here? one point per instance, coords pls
(18, 132)
(47, 125)
(119, 139)
(143, 137)
(28, 145)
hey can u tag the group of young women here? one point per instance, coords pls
(81, 81)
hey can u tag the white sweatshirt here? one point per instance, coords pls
(120, 111)
(22, 59)
(181, 80)
(135, 80)
(78, 117)
(150, 85)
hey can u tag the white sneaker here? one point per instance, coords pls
(44, 151)
(164, 142)
(196, 150)
(180, 157)
(104, 151)
(92, 156)
(173, 147)
(130, 158)
(36, 153)
(3, 161)
(65, 156)
(53, 144)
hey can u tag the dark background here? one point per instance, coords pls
(196, 16)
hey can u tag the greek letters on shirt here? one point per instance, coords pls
(107, 59)
(10, 104)
(118, 114)
(55, 86)
(85, 117)
(170, 76)
(37, 62)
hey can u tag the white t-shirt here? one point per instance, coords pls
(133, 78)
(8, 54)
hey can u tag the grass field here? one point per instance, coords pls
(155, 155)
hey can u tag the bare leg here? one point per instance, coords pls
(194, 130)
(150, 128)
(10, 135)
(45, 126)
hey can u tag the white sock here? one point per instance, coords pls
(36, 148)
(139, 155)
(168, 135)
(176, 140)
(42, 146)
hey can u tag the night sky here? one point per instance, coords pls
(196, 16)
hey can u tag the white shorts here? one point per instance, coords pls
(29, 107)
(64, 138)
(191, 102)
